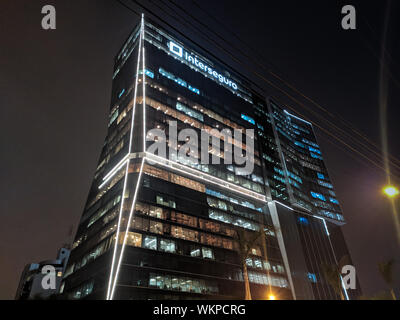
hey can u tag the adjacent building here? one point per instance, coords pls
(158, 226)
(31, 287)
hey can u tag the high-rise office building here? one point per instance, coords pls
(177, 223)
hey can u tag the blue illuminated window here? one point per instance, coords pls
(325, 184)
(312, 277)
(292, 175)
(316, 156)
(299, 144)
(314, 150)
(248, 119)
(303, 221)
(294, 183)
(121, 93)
(334, 201)
(310, 143)
(279, 178)
(318, 196)
(189, 112)
(194, 89)
(279, 171)
(321, 176)
(179, 81)
(147, 73)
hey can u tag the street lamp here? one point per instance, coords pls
(391, 191)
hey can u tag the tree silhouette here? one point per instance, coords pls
(332, 275)
(246, 241)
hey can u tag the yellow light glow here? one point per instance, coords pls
(391, 191)
(271, 297)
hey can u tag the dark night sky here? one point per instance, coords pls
(55, 92)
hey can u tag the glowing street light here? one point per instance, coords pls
(391, 191)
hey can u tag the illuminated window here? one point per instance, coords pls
(248, 119)
(150, 242)
(258, 264)
(179, 81)
(113, 117)
(195, 252)
(183, 219)
(121, 93)
(256, 251)
(320, 176)
(325, 184)
(313, 155)
(249, 262)
(183, 233)
(168, 203)
(303, 221)
(167, 245)
(334, 201)
(314, 150)
(133, 239)
(189, 112)
(148, 73)
(312, 277)
(318, 196)
(207, 253)
(156, 227)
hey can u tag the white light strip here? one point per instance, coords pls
(289, 114)
(283, 205)
(326, 226)
(126, 231)
(144, 97)
(119, 223)
(115, 170)
(135, 96)
(329, 238)
(141, 44)
(110, 281)
(205, 177)
(344, 289)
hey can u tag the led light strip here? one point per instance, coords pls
(202, 176)
(144, 97)
(110, 281)
(126, 232)
(118, 167)
(289, 114)
(324, 221)
(283, 205)
(334, 255)
(119, 223)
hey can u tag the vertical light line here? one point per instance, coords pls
(135, 94)
(334, 256)
(144, 88)
(278, 230)
(141, 47)
(126, 174)
(127, 229)
(119, 223)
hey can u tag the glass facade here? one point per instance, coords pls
(158, 228)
